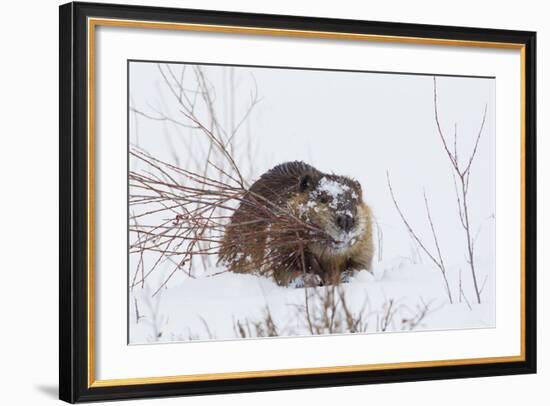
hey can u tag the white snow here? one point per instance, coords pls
(210, 307)
(305, 207)
(332, 187)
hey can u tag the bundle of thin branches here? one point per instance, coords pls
(179, 215)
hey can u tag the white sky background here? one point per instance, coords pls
(356, 124)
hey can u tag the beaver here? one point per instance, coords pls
(298, 221)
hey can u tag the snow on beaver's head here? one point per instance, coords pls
(334, 204)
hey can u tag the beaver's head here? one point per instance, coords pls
(333, 204)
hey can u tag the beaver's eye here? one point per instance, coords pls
(323, 199)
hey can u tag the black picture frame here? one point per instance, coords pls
(74, 385)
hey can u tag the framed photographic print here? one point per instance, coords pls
(257, 202)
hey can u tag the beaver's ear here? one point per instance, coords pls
(306, 182)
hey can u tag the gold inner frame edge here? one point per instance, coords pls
(92, 23)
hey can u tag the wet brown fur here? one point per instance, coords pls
(259, 238)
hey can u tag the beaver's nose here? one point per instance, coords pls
(345, 222)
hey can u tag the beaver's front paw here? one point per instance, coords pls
(346, 276)
(309, 280)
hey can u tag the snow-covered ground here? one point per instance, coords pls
(393, 298)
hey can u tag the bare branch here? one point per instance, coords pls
(464, 181)
(437, 261)
(440, 131)
(436, 242)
